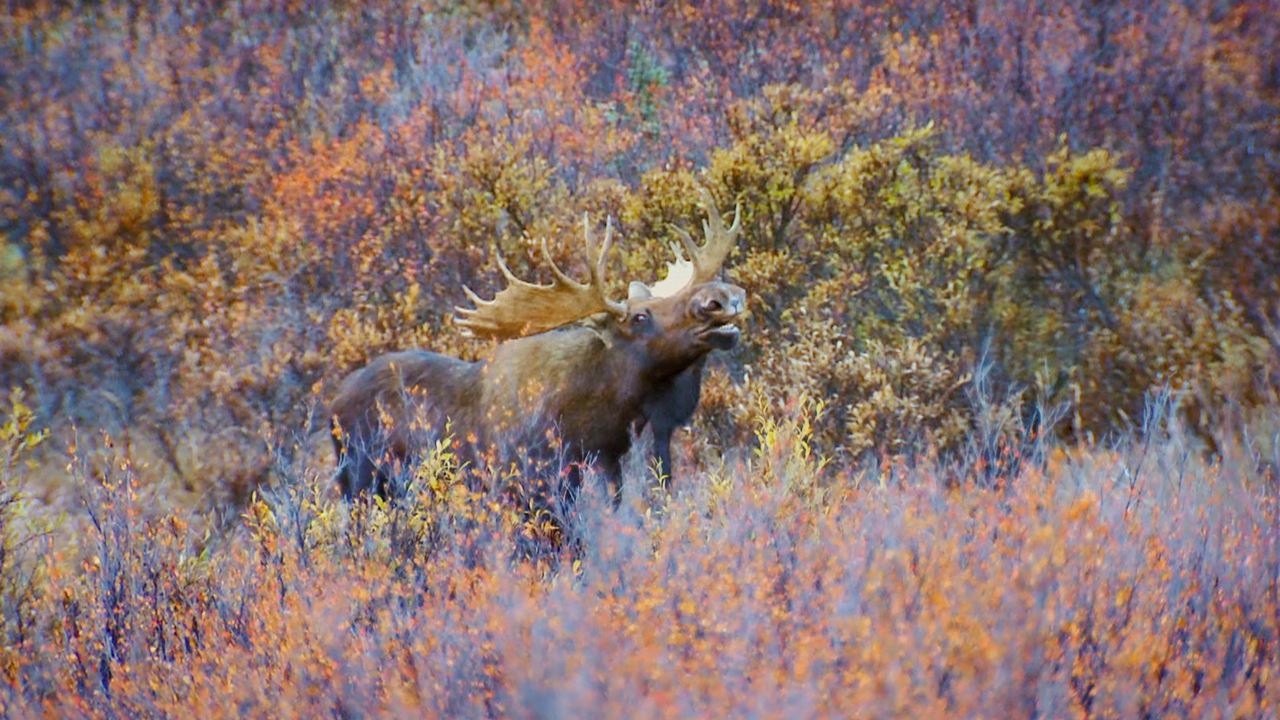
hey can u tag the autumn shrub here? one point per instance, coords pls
(21, 581)
(199, 241)
(893, 269)
(1137, 579)
(1000, 438)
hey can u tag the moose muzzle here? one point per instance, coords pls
(718, 305)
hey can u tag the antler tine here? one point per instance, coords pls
(714, 223)
(678, 249)
(525, 308)
(704, 260)
(507, 275)
(589, 248)
(597, 258)
(598, 278)
(690, 246)
(720, 240)
(560, 277)
(679, 271)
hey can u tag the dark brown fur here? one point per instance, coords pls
(589, 382)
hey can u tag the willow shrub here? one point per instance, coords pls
(890, 274)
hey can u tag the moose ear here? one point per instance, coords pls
(638, 291)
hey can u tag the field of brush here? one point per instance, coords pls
(1001, 437)
(1137, 580)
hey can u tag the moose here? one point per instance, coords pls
(572, 363)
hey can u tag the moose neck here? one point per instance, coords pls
(625, 371)
(583, 365)
(613, 370)
(640, 369)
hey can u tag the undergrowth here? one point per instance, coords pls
(1134, 580)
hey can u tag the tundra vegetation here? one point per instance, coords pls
(1001, 436)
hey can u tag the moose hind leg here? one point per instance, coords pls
(611, 476)
(356, 474)
(356, 469)
(343, 475)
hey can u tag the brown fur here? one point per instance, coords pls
(590, 382)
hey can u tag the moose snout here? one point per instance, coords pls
(720, 302)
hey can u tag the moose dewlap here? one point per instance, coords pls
(573, 365)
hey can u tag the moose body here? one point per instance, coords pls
(575, 367)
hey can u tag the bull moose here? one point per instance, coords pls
(572, 363)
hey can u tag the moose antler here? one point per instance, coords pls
(704, 261)
(525, 308)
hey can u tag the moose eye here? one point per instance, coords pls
(713, 306)
(640, 319)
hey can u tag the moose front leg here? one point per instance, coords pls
(662, 454)
(611, 477)
(672, 406)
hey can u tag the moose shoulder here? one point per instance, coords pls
(573, 363)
